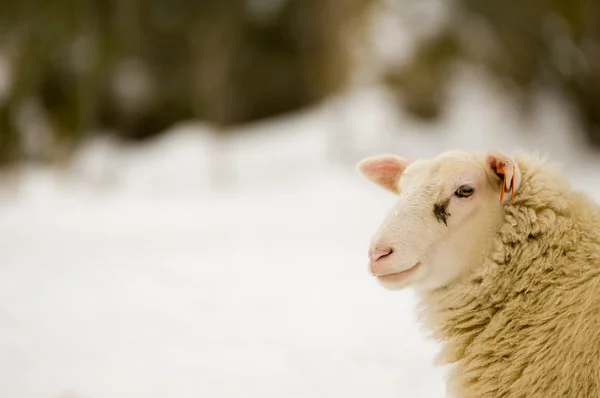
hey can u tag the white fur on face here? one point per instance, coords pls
(431, 248)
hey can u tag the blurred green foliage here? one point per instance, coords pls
(525, 44)
(136, 67)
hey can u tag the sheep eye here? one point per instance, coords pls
(464, 191)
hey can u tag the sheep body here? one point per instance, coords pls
(525, 322)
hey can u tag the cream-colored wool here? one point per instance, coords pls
(525, 320)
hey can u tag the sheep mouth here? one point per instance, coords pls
(399, 276)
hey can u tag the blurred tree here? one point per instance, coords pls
(137, 67)
(526, 44)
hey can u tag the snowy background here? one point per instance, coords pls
(197, 266)
(134, 274)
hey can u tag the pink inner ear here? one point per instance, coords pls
(384, 170)
(496, 165)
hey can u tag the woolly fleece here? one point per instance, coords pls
(526, 322)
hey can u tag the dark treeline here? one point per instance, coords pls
(527, 45)
(134, 67)
(137, 67)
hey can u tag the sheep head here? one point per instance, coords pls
(447, 211)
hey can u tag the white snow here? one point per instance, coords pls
(195, 266)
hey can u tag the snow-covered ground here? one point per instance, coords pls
(198, 267)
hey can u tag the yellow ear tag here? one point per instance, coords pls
(512, 185)
(500, 170)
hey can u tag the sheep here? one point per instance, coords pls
(504, 257)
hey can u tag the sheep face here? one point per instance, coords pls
(447, 211)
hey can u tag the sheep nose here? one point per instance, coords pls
(379, 252)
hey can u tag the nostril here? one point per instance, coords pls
(386, 253)
(378, 254)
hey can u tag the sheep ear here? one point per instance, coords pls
(508, 173)
(383, 170)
